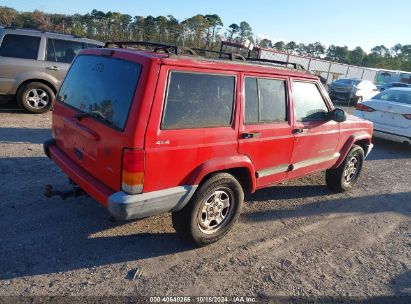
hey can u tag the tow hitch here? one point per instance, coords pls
(74, 192)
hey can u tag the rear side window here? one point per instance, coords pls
(197, 100)
(265, 100)
(309, 103)
(62, 50)
(20, 46)
(102, 87)
(401, 96)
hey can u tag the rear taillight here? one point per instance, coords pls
(132, 174)
(407, 116)
(362, 107)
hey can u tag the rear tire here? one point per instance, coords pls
(345, 176)
(35, 97)
(211, 212)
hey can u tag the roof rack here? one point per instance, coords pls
(41, 31)
(157, 46)
(296, 66)
(177, 50)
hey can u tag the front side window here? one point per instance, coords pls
(197, 100)
(265, 100)
(62, 50)
(309, 103)
(20, 46)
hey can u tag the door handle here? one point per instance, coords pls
(250, 135)
(299, 131)
(53, 68)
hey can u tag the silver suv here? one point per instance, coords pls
(33, 64)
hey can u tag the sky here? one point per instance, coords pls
(352, 23)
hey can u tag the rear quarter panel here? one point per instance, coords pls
(173, 157)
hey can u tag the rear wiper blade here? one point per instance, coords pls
(92, 114)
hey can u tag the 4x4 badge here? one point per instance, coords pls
(162, 142)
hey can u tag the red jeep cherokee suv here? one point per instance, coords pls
(148, 132)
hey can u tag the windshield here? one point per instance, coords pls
(101, 87)
(402, 96)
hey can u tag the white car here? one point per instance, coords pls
(390, 111)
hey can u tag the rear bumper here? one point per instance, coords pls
(392, 133)
(81, 177)
(121, 205)
(126, 207)
(392, 136)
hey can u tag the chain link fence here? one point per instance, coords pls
(327, 69)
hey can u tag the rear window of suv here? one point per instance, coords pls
(20, 46)
(102, 87)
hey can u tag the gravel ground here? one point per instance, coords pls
(295, 239)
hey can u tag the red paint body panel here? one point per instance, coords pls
(274, 145)
(173, 156)
(319, 139)
(184, 157)
(221, 164)
(103, 154)
(350, 139)
(87, 182)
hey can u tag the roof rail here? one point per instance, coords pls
(176, 50)
(41, 31)
(21, 28)
(296, 66)
(156, 46)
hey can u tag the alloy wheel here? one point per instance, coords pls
(215, 211)
(37, 98)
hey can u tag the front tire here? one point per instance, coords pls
(35, 97)
(211, 212)
(345, 176)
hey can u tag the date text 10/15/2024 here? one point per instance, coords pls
(203, 299)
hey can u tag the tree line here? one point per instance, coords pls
(204, 31)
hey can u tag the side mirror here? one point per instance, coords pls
(338, 115)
